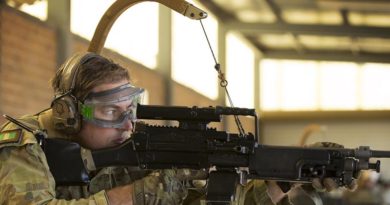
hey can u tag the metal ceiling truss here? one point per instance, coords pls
(252, 31)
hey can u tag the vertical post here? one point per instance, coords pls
(164, 57)
(256, 80)
(257, 94)
(58, 16)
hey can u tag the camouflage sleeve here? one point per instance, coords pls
(161, 187)
(255, 192)
(25, 178)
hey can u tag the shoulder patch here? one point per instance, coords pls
(11, 136)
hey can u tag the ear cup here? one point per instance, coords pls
(66, 117)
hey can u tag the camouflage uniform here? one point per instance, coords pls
(24, 172)
(26, 178)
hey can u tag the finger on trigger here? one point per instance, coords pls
(316, 183)
(353, 185)
(330, 184)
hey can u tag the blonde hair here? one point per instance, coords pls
(98, 70)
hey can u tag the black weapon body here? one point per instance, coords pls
(160, 147)
(229, 158)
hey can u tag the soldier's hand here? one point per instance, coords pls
(328, 184)
(162, 187)
(279, 190)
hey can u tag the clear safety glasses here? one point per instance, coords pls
(112, 108)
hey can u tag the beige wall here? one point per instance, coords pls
(28, 52)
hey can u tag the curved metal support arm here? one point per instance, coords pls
(119, 6)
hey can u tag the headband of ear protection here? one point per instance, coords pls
(66, 116)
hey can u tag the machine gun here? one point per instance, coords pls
(229, 158)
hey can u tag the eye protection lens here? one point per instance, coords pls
(112, 108)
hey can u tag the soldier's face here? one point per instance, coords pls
(94, 137)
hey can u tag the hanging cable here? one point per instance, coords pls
(223, 82)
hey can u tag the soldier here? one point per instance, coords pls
(85, 84)
(95, 106)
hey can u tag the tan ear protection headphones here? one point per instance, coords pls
(66, 116)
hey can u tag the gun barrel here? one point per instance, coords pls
(380, 154)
